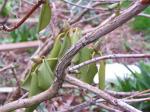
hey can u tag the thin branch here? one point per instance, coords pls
(102, 105)
(6, 28)
(120, 94)
(138, 94)
(137, 100)
(19, 45)
(107, 1)
(16, 78)
(101, 93)
(144, 15)
(10, 66)
(113, 56)
(85, 7)
(94, 17)
(79, 16)
(81, 106)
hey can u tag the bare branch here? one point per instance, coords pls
(137, 100)
(144, 15)
(85, 7)
(79, 16)
(81, 106)
(102, 94)
(138, 94)
(111, 109)
(113, 56)
(6, 28)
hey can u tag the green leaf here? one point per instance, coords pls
(45, 75)
(101, 74)
(26, 83)
(34, 89)
(55, 52)
(45, 16)
(65, 45)
(75, 36)
(87, 72)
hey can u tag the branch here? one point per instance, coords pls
(81, 106)
(113, 56)
(137, 94)
(65, 61)
(137, 100)
(6, 28)
(105, 106)
(19, 45)
(116, 102)
(120, 94)
(85, 7)
(79, 16)
(144, 15)
(23, 103)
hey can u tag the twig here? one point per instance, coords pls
(102, 105)
(89, 19)
(144, 15)
(102, 24)
(25, 95)
(81, 106)
(120, 94)
(6, 28)
(136, 100)
(138, 94)
(10, 66)
(113, 56)
(19, 45)
(85, 7)
(79, 16)
(28, 21)
(101, 94)
(107, 1)
(17, 79)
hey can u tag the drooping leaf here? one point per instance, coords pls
(55, 52)
(45, 75)
(101, 74)
(34, 89)
(65, 45)
(87, 72)
(75, 36)
(27, 82)
(45, 16)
